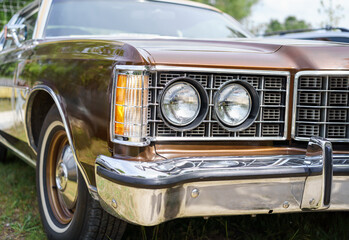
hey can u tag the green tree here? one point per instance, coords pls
(239, 9)
(274, 26)
(290, 23)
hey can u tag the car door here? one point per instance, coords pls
(14, 91)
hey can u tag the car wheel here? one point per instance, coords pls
(67, 210)
(3, 153)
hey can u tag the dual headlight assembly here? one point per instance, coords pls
(184, 104)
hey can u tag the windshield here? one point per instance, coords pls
(132, 18)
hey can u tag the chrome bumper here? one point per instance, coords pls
(151, 193)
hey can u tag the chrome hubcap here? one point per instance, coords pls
(67, 178)
(61, 176)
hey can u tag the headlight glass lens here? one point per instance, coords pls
(233, 104)
(180, 104)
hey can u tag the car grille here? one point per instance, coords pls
(322, 106)
(270, 123)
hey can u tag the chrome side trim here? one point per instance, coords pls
(57, 102)
(295, 92)
(317, 189)
(21, 155)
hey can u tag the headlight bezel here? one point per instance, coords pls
(254, 109)
(200, 116)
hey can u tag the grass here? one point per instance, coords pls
(19, 218)
(305, 226)
(19, 215)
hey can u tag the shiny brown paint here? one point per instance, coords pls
(229, 149)
(81, 74)
(14, 133)
(197, 150)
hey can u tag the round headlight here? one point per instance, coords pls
(180, 103)
(233, 104)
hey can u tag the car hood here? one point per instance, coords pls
(244, 53)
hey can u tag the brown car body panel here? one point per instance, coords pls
(81, 75)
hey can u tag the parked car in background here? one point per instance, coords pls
(146, 111)
(322, 34)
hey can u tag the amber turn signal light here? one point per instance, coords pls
(130, 107)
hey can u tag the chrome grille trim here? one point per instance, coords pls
(326, 114)
(210, 78)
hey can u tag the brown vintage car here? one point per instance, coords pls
(147, 111)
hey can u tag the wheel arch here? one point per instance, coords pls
(34, 116)
(50, 97)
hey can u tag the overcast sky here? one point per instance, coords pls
(307, 10)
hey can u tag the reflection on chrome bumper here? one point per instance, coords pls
(151, 193)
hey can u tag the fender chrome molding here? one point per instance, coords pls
(21, 155)
(57, 102)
